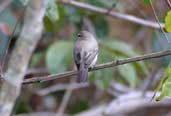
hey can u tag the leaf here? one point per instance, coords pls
(162, 83)
(59, 56)
(122, 49)
(147, 2)
(168, 22)
(36, 58)
(128, 72)
(53, 25)
(104, 77)
(166, 89)
(52, 11)
(101, 27)
(80, 105)
(48, 24)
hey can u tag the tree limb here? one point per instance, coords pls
(100, 66)
(126, 104)
(104, 11)
(31, 33)
(168, 3)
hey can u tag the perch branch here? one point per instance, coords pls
(100, 66)
(115, 14)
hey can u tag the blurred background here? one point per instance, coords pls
(118, 39)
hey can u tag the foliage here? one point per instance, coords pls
(61, 22)
(79, 106)
(36, 59)
(147, 1)
(52, 11)
(168, 22)
(165, 84)
(58, 56)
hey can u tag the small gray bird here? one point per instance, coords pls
(85, 54)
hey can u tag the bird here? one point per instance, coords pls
(85, 54)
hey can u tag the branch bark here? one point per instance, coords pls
(100, 66)
(168, 3)
(128, 103)
(31, 33)
(114, 14)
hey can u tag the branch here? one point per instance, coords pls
(65, 99)
(130, 103)
(100, 66)
(168, 3)
(37, 114)
(59, 87)
(104, 11)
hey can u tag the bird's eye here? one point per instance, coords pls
(79, 35)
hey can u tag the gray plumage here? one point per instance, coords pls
(85, 54)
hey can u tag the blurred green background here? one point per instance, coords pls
(118, 39)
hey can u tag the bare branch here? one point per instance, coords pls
(100, 66)
(104, 11)
(37, 114)
(168, 3)
(59, 87)
(125, 104)
(65, 99)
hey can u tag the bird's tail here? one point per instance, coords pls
(82, 74)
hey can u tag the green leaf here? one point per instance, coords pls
(104, 78)
(52, 11)
(147, 2)
(101, 27)
(122, 49)
(166, 79)
(54, 25)
(166, 89)
(36, 58)
(128, 72)
(79, 106)
(168, 22)
(59, 56)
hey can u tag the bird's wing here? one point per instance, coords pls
(89, 57)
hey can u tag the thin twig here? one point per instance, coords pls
(100, 66)
(59, 87)
(104, 11)
(168, 3)
(65, 99)
(157, 19)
